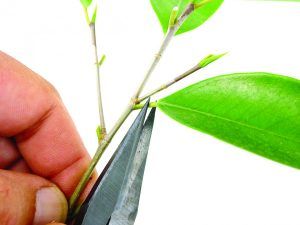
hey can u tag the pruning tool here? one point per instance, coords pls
(114, 198)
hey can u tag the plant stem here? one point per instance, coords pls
(140, 106)
(203, 63)
(100, 104)
(105, 142)
(170, 34)
(168, 84)
(156, 60)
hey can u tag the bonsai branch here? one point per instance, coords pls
(203, 63)
(170, 83)
(106, 140)
(173, 28)
(102, 127)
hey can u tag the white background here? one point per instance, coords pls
(191, 178)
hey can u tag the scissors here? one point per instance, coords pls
(114, 198)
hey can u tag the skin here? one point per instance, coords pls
(39, 144)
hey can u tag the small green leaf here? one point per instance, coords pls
(163, 10)
(86, 3)
(209, 59)
(93, 20)
(99, 133)
(259, 112)
(103, 58)
(173, 16)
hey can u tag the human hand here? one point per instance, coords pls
(41, 154)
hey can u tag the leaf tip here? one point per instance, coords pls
(86, 3)
(173, 16)
(103, 58)
(94, 17)
(202, 3)
(210, 58)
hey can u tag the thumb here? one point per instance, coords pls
(29, 199)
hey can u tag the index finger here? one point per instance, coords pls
(32, 112)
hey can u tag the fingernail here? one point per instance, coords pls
(50, 205)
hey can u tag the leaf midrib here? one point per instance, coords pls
(229, 120)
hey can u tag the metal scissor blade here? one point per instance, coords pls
(100, 203)
(127, 206)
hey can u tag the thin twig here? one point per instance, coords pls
(100, 104)
(203, 63)
(170, 34)
(168, 84)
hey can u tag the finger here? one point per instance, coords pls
(55, 223)
(8, 153)
(20, 166)
(29, 199)
(88, 188)
(32, 111)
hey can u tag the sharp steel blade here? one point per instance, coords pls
(127, 206)
(100, 203)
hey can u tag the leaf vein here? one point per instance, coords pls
(229, 120)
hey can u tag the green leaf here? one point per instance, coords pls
(173, 16)
(94, 17)
(163, 10)
(86, 3)
(101, 61)
(209, 59)
(259, 112)
(99, 133)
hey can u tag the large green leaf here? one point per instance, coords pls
(163, 9)
(259, 112)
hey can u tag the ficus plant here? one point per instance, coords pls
(256, 111)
